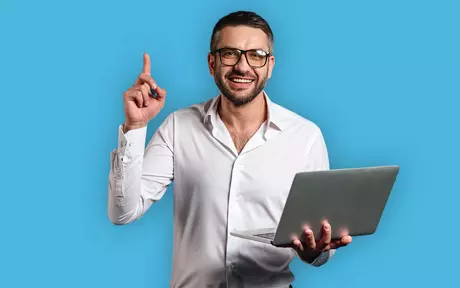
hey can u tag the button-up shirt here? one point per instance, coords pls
(217, 190)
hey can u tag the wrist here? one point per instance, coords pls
(310, 256)
(132, 126)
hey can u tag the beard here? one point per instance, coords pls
(249, 95)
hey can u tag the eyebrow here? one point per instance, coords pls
(230, 47)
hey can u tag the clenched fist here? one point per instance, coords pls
(139, 102)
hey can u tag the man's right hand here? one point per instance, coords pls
(140, 105)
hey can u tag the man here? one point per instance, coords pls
(232, 160)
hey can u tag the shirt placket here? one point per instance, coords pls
(221, 135)
(234, 211)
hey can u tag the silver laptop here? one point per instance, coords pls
(352, 200)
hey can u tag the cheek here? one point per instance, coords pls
(262, 74)
(222, 71)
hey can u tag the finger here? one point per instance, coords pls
(145, 78)
(344, 241)
(136, 96)
(146, 68)
(325, 237)
(309, 239)
(145, 89)
(298, 244)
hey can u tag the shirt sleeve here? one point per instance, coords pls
(139, 176)
(323, 258)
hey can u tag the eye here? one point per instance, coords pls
(257, 54)
(229, 53)
(261, 53)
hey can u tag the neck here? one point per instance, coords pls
(243, 117)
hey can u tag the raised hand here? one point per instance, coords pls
(140, 105)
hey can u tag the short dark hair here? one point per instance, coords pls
(242, 18)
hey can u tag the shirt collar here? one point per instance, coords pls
(274, 119)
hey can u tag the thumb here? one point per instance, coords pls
(153, 109)
(161, 94)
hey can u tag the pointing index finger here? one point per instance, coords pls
(146, 68)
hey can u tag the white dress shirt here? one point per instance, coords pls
(217, 190)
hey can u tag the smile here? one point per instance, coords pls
(241, 80)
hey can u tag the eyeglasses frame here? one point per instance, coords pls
(268, 54)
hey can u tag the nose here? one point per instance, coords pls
(242, 65)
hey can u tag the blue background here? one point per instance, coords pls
(381, 78)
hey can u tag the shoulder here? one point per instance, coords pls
(294, 122)
(190, 116)
(193, 112)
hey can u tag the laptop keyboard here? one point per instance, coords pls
(266, 235)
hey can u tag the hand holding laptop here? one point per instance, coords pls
(311, 249)
(330, 206)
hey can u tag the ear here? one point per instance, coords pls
(271, 65)
(211, 63)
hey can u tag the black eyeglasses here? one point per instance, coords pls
(256, 58)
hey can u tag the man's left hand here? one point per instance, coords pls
(310, 249)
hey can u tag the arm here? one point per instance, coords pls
(317, 159)
(321, 259)
(138, 177)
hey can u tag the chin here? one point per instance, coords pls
(240, 99)
(237, 93)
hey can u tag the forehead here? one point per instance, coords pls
(243, 37)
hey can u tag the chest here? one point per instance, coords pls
(240, 139)
(212, 174)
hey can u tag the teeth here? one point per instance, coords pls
(239, 80)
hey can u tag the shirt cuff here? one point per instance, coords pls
(131, 142)
(323, 258)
